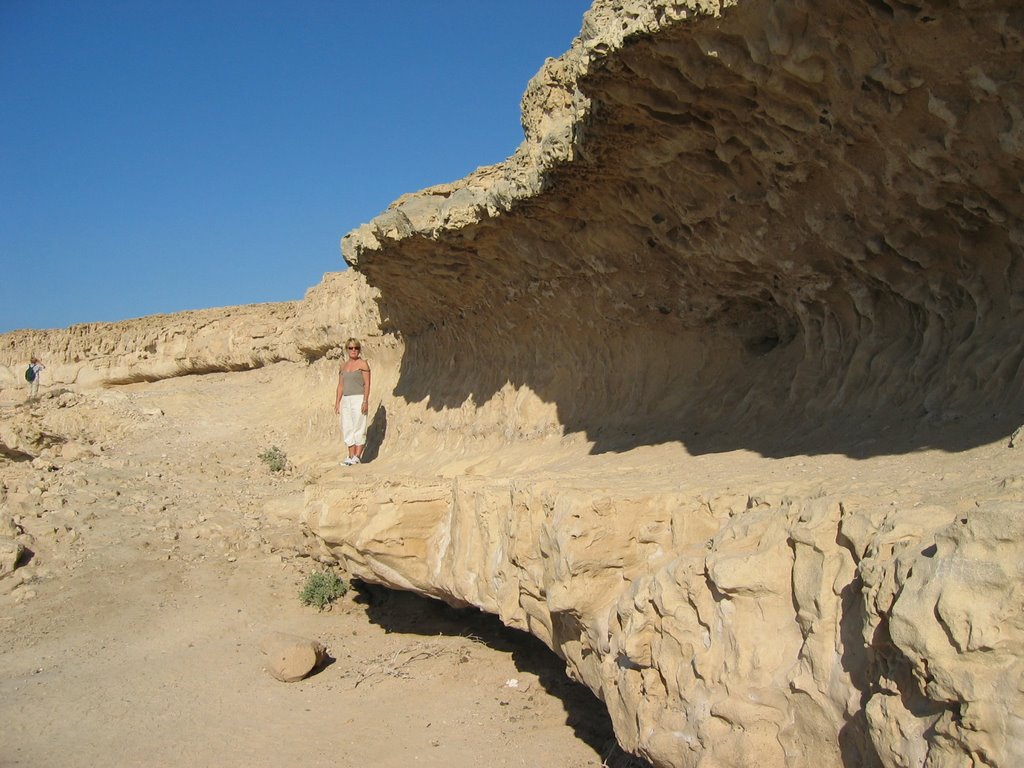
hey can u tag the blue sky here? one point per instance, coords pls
(163, 156)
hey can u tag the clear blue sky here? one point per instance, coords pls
(163, 156)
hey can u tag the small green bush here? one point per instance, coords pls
(322, 588)
(275, 459)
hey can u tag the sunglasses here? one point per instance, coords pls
(353, 347)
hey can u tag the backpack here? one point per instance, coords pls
(30, 374)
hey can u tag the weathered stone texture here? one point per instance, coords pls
(203, 341)
(827, 190)
(782, 227)
(739, 630)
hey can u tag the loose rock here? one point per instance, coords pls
(291, 657)
(10, 553)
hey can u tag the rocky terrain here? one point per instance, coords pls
(710, 387)
(157, 554)
(202, 341)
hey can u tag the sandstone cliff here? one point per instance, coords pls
(708, 386)
(777, 207)
(790, 231)
(225, 339)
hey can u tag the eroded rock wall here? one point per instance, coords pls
(203, 341)
(745, 222)
(767, 629)
(785, 228)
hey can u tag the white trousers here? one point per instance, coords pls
(352, 420)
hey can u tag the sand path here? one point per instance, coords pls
(162, 561)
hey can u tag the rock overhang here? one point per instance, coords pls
(821, 204)
(790, 228)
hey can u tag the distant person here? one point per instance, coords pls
(352, 401)
(33, 374)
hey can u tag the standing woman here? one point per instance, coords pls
(352, 401)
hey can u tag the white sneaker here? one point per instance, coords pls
(350, 461)
(356, 460)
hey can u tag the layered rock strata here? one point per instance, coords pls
(203, 341)
(733, 630)
(745, 223)
(779, 228)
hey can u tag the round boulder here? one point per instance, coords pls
(290, 657)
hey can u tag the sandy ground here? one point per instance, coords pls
(164, 550)
(132, 636)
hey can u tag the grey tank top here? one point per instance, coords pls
(352, 383)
